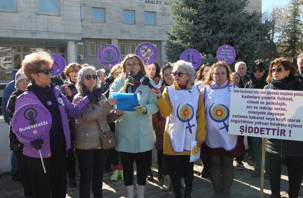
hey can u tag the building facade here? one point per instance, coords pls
(76, 29)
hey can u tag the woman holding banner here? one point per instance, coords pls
(51, 148)
(221, 146)
(183, 104)
(282, 76)
(87, 142)
(134, 130)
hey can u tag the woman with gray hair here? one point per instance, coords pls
(87, 142)
(183, 104)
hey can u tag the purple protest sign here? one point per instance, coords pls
(109, 55)
(192, 56)
(58, 65)
(226, 53)
(147, 52)
(31, 122)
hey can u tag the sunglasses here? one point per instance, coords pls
(117, 73)
(258, 70)
(278, 70)
(180, 74)
(88, 77)
(45, 71)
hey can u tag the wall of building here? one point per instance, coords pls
(27, 22)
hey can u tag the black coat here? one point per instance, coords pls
(256, 84)
(285, 147)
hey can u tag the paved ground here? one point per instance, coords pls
(243, 186)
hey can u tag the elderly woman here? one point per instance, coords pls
(183, 104)
(56, 142)
(69, 90)
(21, 82)
(282, 77)
(134, 130)
(221, 146)
(87, 142)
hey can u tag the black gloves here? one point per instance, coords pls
(37, 143)
(95, 94)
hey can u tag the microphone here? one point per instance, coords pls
(129, 87)
(105, 86)
(146, 81)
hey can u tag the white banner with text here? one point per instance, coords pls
(266, 113)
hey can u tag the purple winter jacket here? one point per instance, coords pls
(68, 109)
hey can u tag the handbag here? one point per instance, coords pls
(108, 139)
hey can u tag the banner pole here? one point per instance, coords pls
(42, 162)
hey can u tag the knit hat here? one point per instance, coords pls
(19, 75)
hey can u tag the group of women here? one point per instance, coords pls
(179, 112)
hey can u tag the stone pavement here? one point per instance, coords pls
(243, 186)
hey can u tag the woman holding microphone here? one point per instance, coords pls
(134, 130)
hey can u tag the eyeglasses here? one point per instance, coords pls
(180, 74)
(278, 70)
(88, 77)
(117, 73)
(132, 65)
(45, 71)
(258, 70)
(165, 75)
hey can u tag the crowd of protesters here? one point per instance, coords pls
(176, 109)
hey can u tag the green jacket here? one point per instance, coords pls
(134, 131)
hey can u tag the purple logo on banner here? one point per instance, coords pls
(147, 52)
(192, 56)
(58, 65)
(31, 122)
(108, 55)
(226, 53)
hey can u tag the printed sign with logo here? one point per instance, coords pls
(226, 53)
(195, 152)
(192, 56)
(109, 55)
(58, 65)
(147, 52)
(31, 122)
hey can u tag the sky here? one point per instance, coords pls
(268, 5)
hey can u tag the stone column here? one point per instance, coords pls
(71, 52)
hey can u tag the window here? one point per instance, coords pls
(98, 14)
(150, 18)
(102, 44)
(122, 47)
(129, 16)
(133, 47)
(48, 6)
(80, 48)
(8, 5)
(92, 49)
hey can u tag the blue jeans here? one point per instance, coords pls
(14, 163)
(91, 164)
